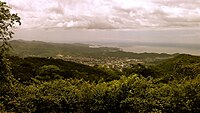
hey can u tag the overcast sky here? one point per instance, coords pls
(175, 21)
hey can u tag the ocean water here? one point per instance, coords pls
(193, 49)
(169, 48)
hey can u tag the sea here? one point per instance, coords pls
(169, 48)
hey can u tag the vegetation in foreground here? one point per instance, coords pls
(171, 86)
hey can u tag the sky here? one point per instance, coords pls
(159, 21)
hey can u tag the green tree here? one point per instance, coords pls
(48, 72)
(7, 23)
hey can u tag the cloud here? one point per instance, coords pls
(108, 14)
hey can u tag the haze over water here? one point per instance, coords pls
(159, 48)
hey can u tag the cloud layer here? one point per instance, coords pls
(108, 14)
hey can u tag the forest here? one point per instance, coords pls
(53, 85)
(45, 84)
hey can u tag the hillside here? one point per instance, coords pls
(24, 69)
(43, 49)
(181, 66)
(54, 85)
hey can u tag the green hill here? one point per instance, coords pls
(181, 66)
(132, 93)
(26, 68)
(55, 85)
(43, 49)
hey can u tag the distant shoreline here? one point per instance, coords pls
(139, 47)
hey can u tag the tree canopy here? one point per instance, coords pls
(7, 23)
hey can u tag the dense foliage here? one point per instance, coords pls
(128, 94)
(24, 69)
(7, 22)
(139, 89)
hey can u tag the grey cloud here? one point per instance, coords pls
(113, 14)
(56, 10)
(178, 3)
